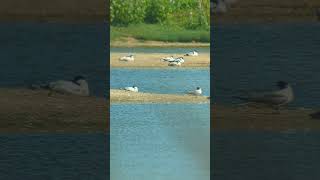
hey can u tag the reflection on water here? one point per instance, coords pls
(158, 141)
(175, 81)
(54, 156)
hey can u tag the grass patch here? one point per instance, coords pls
(157, 32)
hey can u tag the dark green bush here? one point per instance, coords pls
(190, 14)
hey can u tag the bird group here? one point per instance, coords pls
(196, 92)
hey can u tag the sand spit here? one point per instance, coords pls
(122, 96)
(153, 60)
(24, 110)
(262, 119)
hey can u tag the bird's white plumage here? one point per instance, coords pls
(132, 89)
(196, 92)
(174, 63)
(167, 59)
(192, 53)
(127, 58)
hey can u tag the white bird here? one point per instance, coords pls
(132, 89)
(196, 92)
(167, 59)
(280, 97)
(174, 63)
(127, 58)
(192, 53)
(77, 86)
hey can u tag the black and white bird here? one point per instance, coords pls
(196, 92)
(283, 96)
(132, 89)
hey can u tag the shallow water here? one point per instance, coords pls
(168, 81)
(54, 156)
(42, 52)
(257, 55)
(158, 141)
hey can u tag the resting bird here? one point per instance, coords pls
(280, 97)
(192, 53)
(127, 58)
(196, 92)
(132, 89)
(174, 63)
(167, 59)
(78, 86)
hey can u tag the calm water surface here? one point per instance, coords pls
(54, 156)
(159, 141)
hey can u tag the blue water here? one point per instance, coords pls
(168, 81)
(42, 52)
(54, 156)
(266, 155)
(159, 50)
(257, 55)
(159, 141)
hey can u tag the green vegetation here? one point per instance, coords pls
(161, 20)
(158, 32)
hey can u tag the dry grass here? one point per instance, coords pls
(24, 110)
(152, 60)
(122, 96)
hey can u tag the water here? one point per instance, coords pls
(42, 52)
(167, 81)
(255, 56)
(54, 156)
(159, 50)
(159, 141)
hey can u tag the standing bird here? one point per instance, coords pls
(283, 96)
(196, 92)
(127, 58)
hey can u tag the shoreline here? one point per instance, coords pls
(152, 60)
(122, 96)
